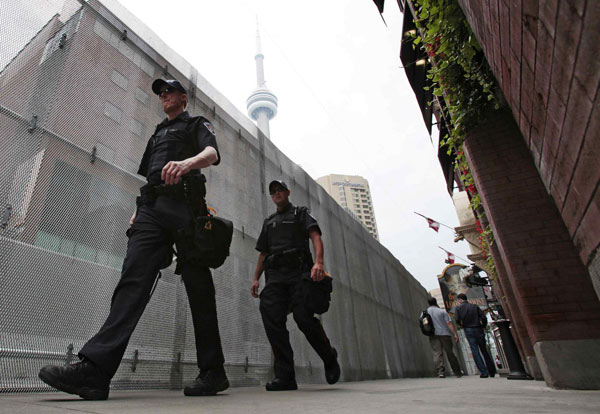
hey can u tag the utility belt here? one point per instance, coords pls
(191, 188)
(289, 258)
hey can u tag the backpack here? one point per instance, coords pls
(426, 324)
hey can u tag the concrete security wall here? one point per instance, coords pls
(69, 147)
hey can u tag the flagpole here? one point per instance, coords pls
(454, 230)
(442, 224)
(466, 260)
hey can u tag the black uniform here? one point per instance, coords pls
(284, 238)
(149, 249)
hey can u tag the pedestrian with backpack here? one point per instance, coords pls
(441, 337)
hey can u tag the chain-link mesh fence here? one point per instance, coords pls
(76, 111)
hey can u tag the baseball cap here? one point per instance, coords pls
(278, 182)
(159, 84)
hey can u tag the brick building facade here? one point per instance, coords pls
(536, 168)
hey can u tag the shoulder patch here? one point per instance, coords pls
(210, 127)
(307, 210)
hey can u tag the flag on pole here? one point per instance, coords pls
(432, 223)
(451, 258)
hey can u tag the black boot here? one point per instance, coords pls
(279, 384)
(208, 382)
(332, 370)
(81, 378)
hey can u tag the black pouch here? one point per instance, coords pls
(316, 295)
(209, 244)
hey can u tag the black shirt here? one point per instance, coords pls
(176, 140)
(468, 315)
(287, 229)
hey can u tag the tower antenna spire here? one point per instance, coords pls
(262, 103)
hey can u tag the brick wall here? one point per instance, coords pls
(545, 57)
(552, 288)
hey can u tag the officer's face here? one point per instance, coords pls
(172, 100)
(279, 195)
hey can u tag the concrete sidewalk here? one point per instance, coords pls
(423, 395)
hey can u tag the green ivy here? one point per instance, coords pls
(463, 83)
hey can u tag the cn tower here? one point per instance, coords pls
(262, 103)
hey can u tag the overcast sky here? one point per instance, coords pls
(345, 106)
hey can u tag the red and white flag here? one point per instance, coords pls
(451, 258)
(433, 224)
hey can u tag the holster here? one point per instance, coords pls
(194, 192)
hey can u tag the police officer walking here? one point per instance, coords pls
(180, 146)
(285, 257)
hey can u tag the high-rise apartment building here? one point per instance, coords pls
(353, 194)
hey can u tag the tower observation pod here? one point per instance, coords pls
(262, 103)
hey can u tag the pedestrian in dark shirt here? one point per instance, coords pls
(473, 321)
(286, 258)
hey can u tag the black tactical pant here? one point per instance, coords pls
(148, 250)
(280, 296)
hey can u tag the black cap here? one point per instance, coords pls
(159, 84)
(281, 183)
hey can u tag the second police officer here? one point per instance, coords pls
(285, 257)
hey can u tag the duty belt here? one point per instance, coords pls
(149, 193)
(295, 257)
(189, 188)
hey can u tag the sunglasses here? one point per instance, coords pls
(277, 190)
(166, 91)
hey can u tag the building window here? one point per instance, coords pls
(142, 96)
(119, 80)
(113, 112)
(137, 128)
